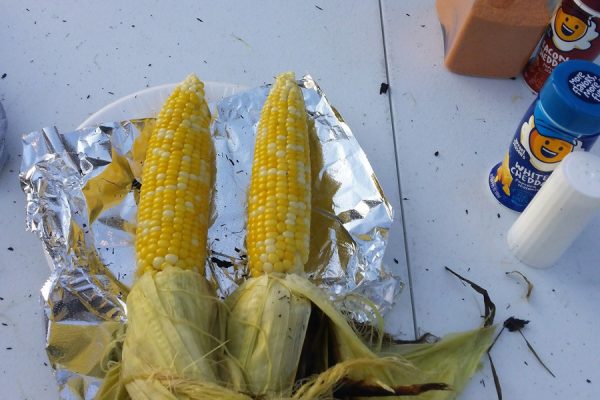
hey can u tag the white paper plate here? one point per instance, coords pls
(147, 103)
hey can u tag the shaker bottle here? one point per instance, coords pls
(573, 33)
(564, 118)
(559, 212)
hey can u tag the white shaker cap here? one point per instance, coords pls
(559, 211)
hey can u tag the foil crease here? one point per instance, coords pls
(82, 188)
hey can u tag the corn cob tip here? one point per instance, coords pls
(287, 76)
(192, 84)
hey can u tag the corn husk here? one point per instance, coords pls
(450, 362)
(266, 348)
(348, 352)
(113, 388)
(453, 360)
(174, 342)
(266, 328)
(172, 328)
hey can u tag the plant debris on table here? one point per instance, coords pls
(529, 284)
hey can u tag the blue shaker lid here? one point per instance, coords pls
(571, 97)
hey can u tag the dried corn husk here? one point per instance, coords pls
(453, 360)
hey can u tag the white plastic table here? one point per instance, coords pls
(431, 140)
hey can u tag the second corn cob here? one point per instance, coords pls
(279, 195)
(267, 324)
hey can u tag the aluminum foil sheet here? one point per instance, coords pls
(82, 189)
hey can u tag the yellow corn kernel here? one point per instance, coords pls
(177, 180)
(279, 194)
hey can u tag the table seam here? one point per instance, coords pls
(404, 230)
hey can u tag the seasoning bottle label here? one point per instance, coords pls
(534, 153)
(572, 34)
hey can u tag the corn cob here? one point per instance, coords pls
(177, 180)
(172, 336)
(279, 194)
(268, 321)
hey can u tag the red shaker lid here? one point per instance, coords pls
(590, 6)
